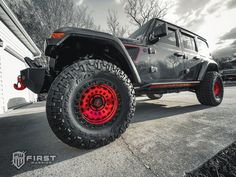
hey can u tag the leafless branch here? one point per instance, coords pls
(40, 18)
(140, 11)
(113, 24)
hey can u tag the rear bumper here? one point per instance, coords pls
(35, 79)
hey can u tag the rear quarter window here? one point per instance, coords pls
(203, 48)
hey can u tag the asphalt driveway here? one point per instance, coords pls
(167, 137)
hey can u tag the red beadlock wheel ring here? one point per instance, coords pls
(216, 88)
(98, 104)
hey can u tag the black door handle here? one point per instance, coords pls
(179, 54)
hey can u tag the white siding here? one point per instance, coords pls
(10, 67)
(11, 40)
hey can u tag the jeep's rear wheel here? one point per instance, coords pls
(90, 104)
(154, 96)
(211, 89)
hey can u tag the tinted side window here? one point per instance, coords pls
(188, 42)
(170, 38)
(202, 48)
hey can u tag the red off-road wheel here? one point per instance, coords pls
(90, 104)
(98, 104)
(211, 89)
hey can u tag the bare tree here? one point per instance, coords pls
(41, 18)
(140, 11)
(113, 24)
(25, 12)
(61, 13)
(54, 14)
(82, 19)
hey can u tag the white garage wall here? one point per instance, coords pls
(11, 40)
(10, 67)
(10, 70)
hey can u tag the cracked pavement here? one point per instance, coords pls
(167, 137)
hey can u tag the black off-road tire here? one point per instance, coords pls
(64, 116)
(205, 91)
(154, 96)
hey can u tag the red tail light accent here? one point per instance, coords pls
(19, 85)
(133, 54)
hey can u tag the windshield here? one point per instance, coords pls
(140, 33)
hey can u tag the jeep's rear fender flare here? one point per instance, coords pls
(209, 65)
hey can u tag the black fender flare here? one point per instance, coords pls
(209, 65)
(99, 36)
(121, 48)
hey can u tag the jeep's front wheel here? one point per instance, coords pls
(90, 104)
(211, 90)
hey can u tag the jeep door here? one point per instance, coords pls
(193, 61)
(203, 49)
(167, 64)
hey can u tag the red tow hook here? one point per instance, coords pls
(19, 85)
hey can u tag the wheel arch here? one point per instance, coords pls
(110, 49)
(206, 67)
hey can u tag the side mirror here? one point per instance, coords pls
(159, 31)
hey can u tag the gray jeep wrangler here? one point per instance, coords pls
(93, 77)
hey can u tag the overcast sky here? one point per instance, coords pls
(213, 19)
